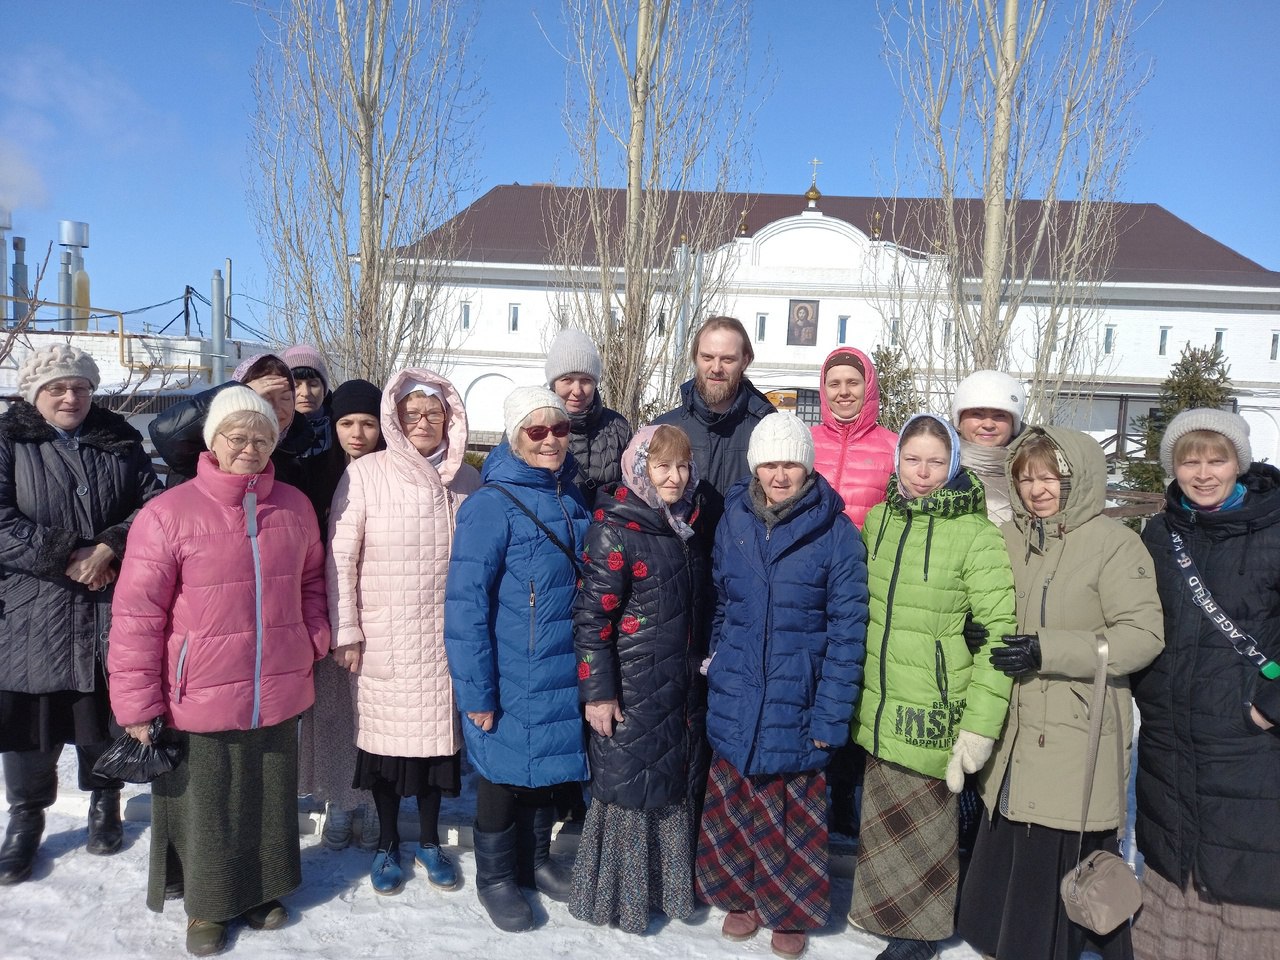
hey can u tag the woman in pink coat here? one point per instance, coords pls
(219, 614)
(390, 532)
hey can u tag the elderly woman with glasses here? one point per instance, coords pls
(390, 527)
(219, 615)
(509, 634)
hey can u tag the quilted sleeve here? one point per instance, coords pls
(144, 595)
(342, 569)
(315, 604)
(27, 546)
(145, 486)
(475, 568)
(988, 581)
(601, 599)
(841, 679)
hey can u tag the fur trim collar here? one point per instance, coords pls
(102, 428)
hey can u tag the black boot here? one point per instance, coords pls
(106, 835)
(31, 780)
(537, 869)
(496, 880)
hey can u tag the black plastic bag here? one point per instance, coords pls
(135, 762)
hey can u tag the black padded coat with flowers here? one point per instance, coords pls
(639, 636)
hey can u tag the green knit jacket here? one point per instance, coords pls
(932, 560)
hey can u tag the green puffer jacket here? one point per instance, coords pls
(932, 560)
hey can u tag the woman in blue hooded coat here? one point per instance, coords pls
(509, 638)
(787, 645)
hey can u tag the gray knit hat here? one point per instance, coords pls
(54, 362)
(572, 352)
(237, 399)
(1231, 425)
(781, 438)
(523, 401)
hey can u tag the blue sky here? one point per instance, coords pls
(133, 115)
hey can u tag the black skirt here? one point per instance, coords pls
(43, 721)
(1010, 907)
(409, 776)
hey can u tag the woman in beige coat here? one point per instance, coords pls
(390, 531)
(1079, 576)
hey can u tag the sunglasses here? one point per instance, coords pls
(538, 434)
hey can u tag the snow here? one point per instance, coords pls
(77, 905)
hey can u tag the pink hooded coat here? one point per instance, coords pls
(207, 630)
(390, 534)
(856, 458)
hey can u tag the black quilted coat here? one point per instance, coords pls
(639, 636)
(57, 496)
(597, 438)
(1208, 778)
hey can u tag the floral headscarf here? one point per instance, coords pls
(635, 474)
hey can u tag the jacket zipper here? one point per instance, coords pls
(884, 641)
(533, 610)
(182, 666)
(251, 530)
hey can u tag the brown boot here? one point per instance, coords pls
(206, 937)
(788, 944)
(740, 925)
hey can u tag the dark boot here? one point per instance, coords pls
(31, 780)
(538, 870)
(496, 880)
(106, 835)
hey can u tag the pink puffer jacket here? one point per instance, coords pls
(390, 533)
(219, 611)
(856, 458)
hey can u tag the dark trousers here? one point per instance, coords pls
(31, 770)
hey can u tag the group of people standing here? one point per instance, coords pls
(713, 621)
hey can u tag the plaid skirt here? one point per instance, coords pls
(1176, 924)
(907, 874)
(763, 846)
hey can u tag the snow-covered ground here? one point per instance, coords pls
(76, 905)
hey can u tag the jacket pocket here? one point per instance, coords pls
(533, 616)
(180, 676)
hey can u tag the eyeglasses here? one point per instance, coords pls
(57, 391)
(238, 443)
(435, 419)
(538, 434)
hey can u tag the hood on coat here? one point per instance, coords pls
(1082, 463)
(869, 415)
(405, 453)
(503, 466)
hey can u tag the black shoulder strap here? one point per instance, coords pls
(577, 571)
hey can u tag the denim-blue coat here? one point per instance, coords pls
(508, 623)
(789, 634)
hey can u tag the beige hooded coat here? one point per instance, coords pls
(1076, 574)
(390, 533)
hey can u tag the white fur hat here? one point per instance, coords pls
(1231, 425)
(54, 362)
(237, 399)
(993, 390)
(523, 401)
(781, 438)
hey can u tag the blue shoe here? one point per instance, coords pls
(442, 873)
(385, 875)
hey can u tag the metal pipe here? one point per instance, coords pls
(218, 347)
(64, 290)
(21, 293)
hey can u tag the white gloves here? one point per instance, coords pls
(969, 755)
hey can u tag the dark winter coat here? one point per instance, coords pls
(788, 637)
(178, 436)
(55, 497)
(508, 624)
(719, 440)
(636, 633)
(1208, 778)
(597, 438)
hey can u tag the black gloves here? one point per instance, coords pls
(1019, 657)
(975, 634)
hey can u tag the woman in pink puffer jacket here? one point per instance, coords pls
(219, 614)
(851, 450)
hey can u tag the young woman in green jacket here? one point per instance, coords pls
(930, 709)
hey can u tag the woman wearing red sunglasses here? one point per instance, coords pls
(509, 636)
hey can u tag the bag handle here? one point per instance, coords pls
(573, 560)
(1096, 706)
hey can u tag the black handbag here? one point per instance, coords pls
(133, 761)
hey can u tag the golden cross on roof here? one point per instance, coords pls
(815, 162)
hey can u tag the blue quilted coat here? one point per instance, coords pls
(789, 634)
(508, 624)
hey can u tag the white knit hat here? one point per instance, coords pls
(237, 399)
(54, 362)
(572, 352)
(781, 438)
(1231, 425)
(993, 390)
(523, 401)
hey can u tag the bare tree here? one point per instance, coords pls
(1024, 105)
(363, 127)
(657, 100)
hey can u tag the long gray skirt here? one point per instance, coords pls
(225, 822)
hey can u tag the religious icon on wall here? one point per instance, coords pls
(802, 323)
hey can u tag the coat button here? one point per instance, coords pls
(82, 490)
